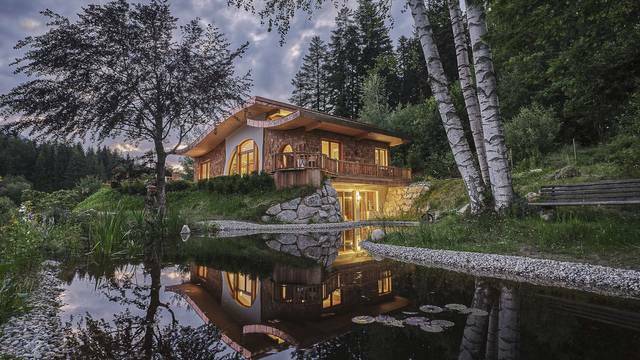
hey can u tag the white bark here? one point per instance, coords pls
(496, 150)
(508, 324)
(467, 86)
(453, 126)
(475, 330)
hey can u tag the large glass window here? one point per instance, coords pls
(382, 157)
(331, 149)
(243, 288)
(204, 170)
(244, 159)
(331, 299)
(385, 283)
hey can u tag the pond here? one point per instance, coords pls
(283, 296)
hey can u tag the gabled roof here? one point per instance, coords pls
(252, 111)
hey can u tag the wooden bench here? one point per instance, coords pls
(605, 193)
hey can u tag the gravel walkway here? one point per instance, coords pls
(38, 333)
(228, 225)
(593, 278)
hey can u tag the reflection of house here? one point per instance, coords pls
(299, 147)
(292, 306)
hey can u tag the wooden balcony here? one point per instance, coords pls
(302, 162)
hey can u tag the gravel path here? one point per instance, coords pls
(38, 333)
(228, 225)
(593, 278)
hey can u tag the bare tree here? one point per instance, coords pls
(496, 150)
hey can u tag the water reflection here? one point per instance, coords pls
(294, 295)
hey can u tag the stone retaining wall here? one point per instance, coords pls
(320, 246)
(320, 207)
(400, 199)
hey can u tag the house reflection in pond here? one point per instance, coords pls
(291, 306)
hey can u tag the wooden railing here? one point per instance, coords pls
(304, 160)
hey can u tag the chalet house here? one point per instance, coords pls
(298, 146)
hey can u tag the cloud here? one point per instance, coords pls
(125, 148)
(30, 24)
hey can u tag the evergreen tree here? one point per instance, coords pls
(414, 85)
(345, 75)
(311, 82)
(374, 100)
(76, 167)
(374, 34)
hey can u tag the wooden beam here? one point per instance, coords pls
(362, 135)
(313, 126)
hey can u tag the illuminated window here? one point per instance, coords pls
(331, 149)
(332, 299)
(371, 200)
(244, 159)
(243, 288)
(384, 283)
(287, 160)
(204, 170)
(382, 157)
(201, 271)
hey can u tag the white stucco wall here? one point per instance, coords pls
(240, 135)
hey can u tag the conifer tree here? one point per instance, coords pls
(311, 82)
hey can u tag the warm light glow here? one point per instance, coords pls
(244, 159)
(280, 113)
(358, 196)
(331, 149)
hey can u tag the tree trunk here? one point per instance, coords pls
(496, 150)
(475, 330)
(491, 352)
(468, 87)
(508, 324)
(161, 166)
(453, 126)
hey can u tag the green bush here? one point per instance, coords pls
(236, 184)
(7, 209)
(179, 185)
(532, 133)
(13, 187)
(88, 185)
(56, 205)
(629, 120)
(133, 187)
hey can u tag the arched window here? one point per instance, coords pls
(287, 160)
(244, 159)
(242, 287)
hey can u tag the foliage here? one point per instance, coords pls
(629, 120)
(53, 166)
(187, 165)
(532, 133)
(88, 185)
(56, 205)
(7, 210)
(12, 187)
(131, 187)
(375, 108)
(236, 184)
(179, 185)
(587, 235)
(583, 60)
(311, 88)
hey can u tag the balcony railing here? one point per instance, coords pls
(304, 160)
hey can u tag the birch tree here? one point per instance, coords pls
(475, 330)
(508, 324)
(494, 143)
(467, 85)
(452, 124)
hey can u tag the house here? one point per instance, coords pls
(299, 146)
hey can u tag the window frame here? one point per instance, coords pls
(329, 142)
(237, 155)
(378, 156)
(207, 173)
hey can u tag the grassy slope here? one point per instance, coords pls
(197, 204)
(595, 235)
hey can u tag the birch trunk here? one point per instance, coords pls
(508, 324)
(468, 87)
(453, 126)
(496, 150)
(475, 330)
(491, 352)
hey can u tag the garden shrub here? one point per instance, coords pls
(179, 185)
(88, 185)
(236, 184)
(13, 187)
(532, 133)
(132, 187)
(7, 209)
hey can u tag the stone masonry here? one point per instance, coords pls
(400, 199)
(319, 246)
(320, 207)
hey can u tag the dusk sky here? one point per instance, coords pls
(272, 66)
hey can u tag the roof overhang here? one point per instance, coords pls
(298, 118)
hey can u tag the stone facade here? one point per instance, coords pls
(319, 246)
(400, 199)
(353, 149)
(320, 207)
(217, 158)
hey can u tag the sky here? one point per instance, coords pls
(272, 66)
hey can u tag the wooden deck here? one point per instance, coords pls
(301, 168)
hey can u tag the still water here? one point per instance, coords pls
(293, 296)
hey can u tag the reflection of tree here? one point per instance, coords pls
(141, 337)
(496, 336)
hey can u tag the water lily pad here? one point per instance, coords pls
(477, 312)
(410, 312)
(384, 318)
(431, 328)
(416, 320)
(442, 323)
(431, 309)
(394, 323)
(456, 307)
(363, 319)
